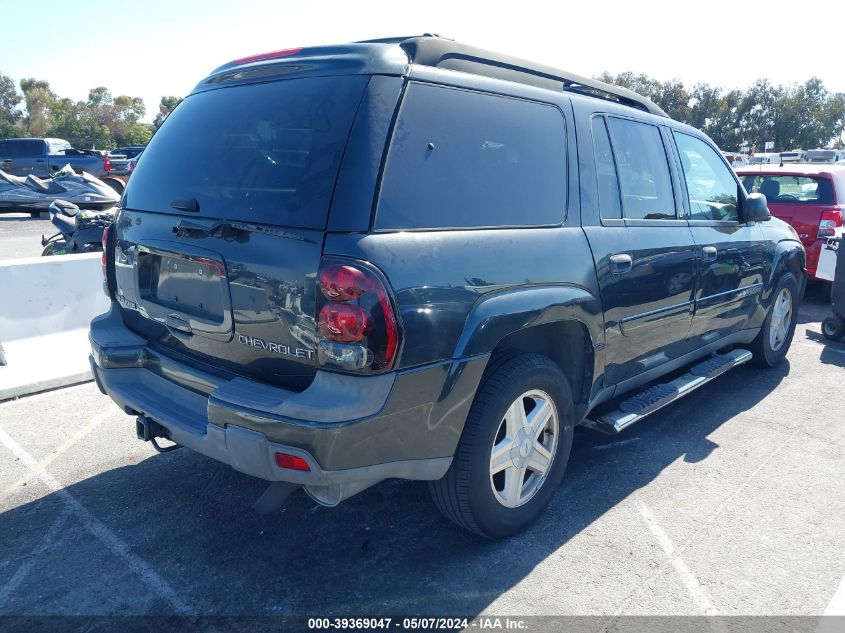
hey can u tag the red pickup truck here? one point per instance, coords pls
(811, 197)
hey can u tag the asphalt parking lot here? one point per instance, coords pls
(728, 502)
(20, 235)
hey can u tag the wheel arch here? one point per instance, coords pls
(563, 323)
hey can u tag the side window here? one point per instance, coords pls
(30, 149)
(643, 170)
(608, 182)
(461, 159)
(711, 187)
(4, 149)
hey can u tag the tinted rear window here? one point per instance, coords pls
(265, 153)
(780, 189)
(466, 159)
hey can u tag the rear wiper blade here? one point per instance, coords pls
(187, 204)
(227, 229)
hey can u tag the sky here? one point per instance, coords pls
(151, 48)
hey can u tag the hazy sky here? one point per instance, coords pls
(150, 48)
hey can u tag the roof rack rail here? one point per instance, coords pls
(431, 50)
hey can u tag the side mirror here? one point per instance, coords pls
(756, 208)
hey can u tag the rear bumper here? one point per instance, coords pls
(813, 251)
(352, 431)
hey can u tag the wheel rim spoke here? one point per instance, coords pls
(501, 457)
(538, 419)
(540, 459)
(515, 418)
(514, 478)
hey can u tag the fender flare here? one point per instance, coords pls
(789, 256)
(499, 314)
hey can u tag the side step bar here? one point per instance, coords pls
(656, 397)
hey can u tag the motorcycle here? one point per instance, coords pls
(79, 231)
(31, 194)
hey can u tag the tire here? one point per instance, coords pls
(833, 328)
(54, 248)
(770, 349)
(473, 498)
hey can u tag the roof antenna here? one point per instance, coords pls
(781, 159)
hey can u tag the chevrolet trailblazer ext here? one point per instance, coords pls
(413, 258)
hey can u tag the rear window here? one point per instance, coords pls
(780, 189)
(265, 153)
(462, 159)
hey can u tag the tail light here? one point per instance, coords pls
(104, 261)
(131, 166)
(106, 164)
(356, 320)
(831, 220)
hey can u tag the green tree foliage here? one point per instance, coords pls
(165, 107)
(9, 100)
(800, 116)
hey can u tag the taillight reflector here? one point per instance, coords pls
(291, 462)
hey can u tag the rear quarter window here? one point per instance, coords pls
(462, 159)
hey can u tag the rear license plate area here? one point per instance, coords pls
(191, 286)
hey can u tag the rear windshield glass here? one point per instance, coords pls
(265, 153)
(790, 189)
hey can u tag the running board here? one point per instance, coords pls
(656, 397)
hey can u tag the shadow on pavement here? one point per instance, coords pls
(386, 550)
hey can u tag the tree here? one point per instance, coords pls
(9, 112)
(38, 99)
(165, 107)
(801, 116)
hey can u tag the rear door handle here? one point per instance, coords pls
(621, 263)
(709, 253)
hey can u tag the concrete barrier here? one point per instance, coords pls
(46, 304)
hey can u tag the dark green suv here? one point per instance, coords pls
(413, 258)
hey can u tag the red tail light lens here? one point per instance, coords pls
(342, 322)
(357, 323)
(106, 163)
(831, 219)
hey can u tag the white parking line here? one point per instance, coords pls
(60, 449)
(836, 606)
(29, 562)
(690, 581)
(113, 542)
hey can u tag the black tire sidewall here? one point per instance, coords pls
(494, 519)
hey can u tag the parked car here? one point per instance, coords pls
(766, 158)
(809, 197)
(793, 156)
(41, 157)
(395, 260)
(736, 159)
(120, 158)
(830, 156)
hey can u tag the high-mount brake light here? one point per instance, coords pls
(264, 56)
(357, 323)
